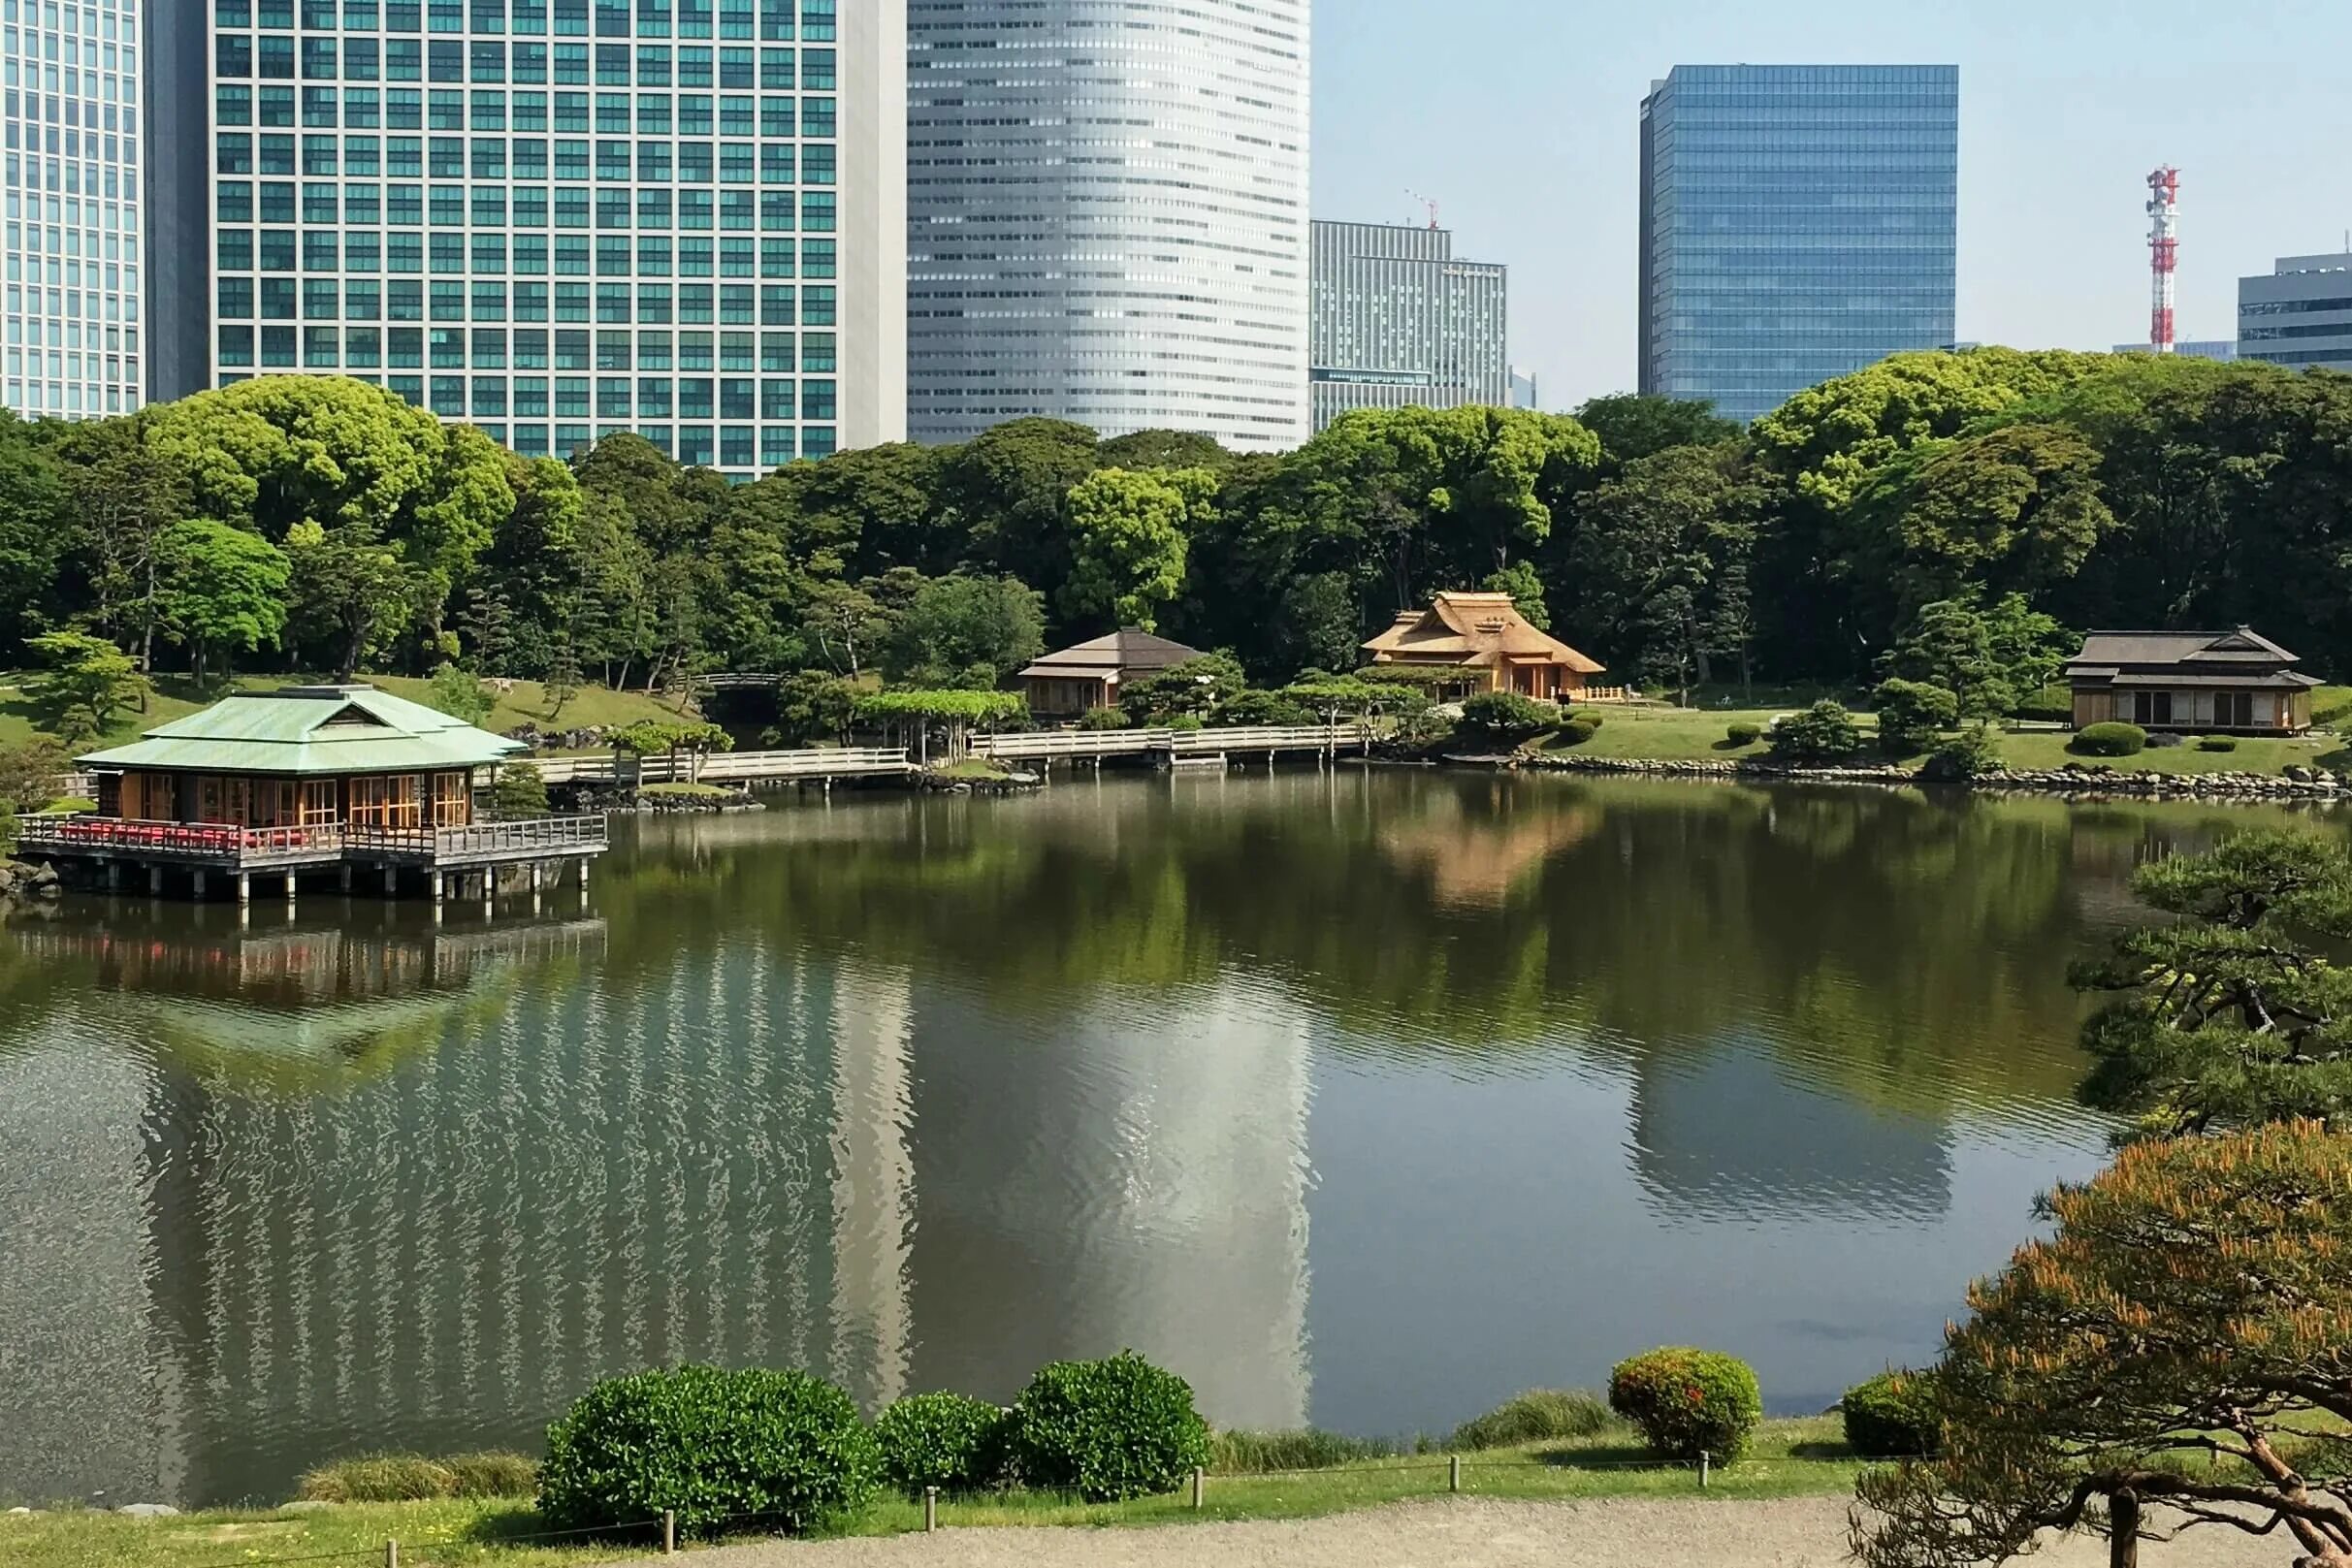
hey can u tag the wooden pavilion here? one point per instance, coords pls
(1065, 685)
(306, 779)
(1485, 640)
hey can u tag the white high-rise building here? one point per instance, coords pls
(554, 220)
(1399, 321)
(1108, 216)
(71, 112)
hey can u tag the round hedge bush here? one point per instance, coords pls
(1505, 716)
(2218, 743)
(2110, 740)
(1107, 1431)
(1687, 1402)
(1575, 732)
(1586, 716)
(1892, 1417)
(942, 1440)
(1744, 733)
(711, 1444)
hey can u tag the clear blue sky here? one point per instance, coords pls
(1521, 117)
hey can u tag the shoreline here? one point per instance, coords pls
(2079, 781)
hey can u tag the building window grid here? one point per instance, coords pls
(735, 280)
(71, 314)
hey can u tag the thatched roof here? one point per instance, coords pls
(1472, 631)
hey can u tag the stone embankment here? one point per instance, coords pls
(21, 884)
(2074, 778)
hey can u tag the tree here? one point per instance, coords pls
(1911, 715)
(845, 624)
(812, 705)
(518, 793)
(1825, 732)
(1196, 689)
(220, 588)
(964, 631)
(26, 770)
(353, 588)
(1632, 425)
(124, 491)
(646, 736)
(2176, 1356)
(1128, 535)
(1526, 589)
(84, 683)
(459, 694)
(1990, 659)
(1661, 562)
(563, 682)
(1007, 487)
(2224, 1014)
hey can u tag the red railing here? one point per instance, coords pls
(199, 840)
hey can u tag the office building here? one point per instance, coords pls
(73, 237)
(1397, 320)
(2300, 313)
(554, 220)
(1524, 390)
(2194, 348)
(1797, 222)
(1108, 216)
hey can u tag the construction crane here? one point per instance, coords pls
(1427, 203)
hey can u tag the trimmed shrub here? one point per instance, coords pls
(1533, 1416)
(2109, 740)
(378, 1478)
(1505, 716)
(2052, 704)
(1744, 733)
(1575, 732)
(1689, 1401)
(1912, 714)
(1892, 1417)
(1185, 721)
(1963, 757)
(2217, 742)
(942, 1440)
(1105, 718)
(1825, 732)
(714, 1445)
(518, 793)
(1236, 1454)
(1108, 1429)
(1586, 716)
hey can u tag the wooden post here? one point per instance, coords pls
(392, 1552)
(1453, 1472)
(289, 889)
(347, 876)
(113, 875)
(198, 885)
(154, 881)
(1705, 1462)
(930, 1508)
(391, 881)
(1199, 1485)
(436, 885)
(244, 887)
(669, 1532)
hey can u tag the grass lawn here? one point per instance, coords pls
(971, 767)
(690, 792)
(1791, 1458)
(526, 704)
(1682, 735)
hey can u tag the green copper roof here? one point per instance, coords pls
(312, 730)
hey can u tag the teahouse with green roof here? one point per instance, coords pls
(301, 779)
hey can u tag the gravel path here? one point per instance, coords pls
(1467, 1533)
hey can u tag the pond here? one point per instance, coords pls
(1362, 1097)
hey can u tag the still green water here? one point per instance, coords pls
(1363, 1099)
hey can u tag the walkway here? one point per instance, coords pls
(1471, 1533)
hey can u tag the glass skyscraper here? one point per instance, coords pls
(1109, 216)
(1398, 320)
(1797, 222)
(561, 219)
(70, 104)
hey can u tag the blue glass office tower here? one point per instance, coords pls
(1797, 222)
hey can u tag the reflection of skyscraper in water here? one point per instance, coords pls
(873, 1184)
(1134, 1179)
(1732, 1133)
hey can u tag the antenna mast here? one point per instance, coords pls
(1426, 202)
(2164, 254)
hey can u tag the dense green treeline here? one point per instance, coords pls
(321, 524)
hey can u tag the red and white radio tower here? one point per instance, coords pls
(2164, 253)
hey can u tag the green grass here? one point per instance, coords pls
(175, 696)
(1683, 735)
(971, 767)
(1790, 1458)
(66, 807)
(690, 792)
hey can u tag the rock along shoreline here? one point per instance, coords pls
(2079, 781)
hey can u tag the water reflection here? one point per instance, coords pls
(1521, 1074)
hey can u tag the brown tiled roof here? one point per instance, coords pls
(2163, 648)
(1472, 631)
(1129, 651)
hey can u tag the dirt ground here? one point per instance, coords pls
(1464, 1533)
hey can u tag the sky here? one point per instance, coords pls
(1521, 119)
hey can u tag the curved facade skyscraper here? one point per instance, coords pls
(1106, 206)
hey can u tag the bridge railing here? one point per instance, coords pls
(815, 762)
(222, 844)
(1051, 743)
(1265, 738)
(532, 836)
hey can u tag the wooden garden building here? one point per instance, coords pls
(2203, 682)
(1483, 639)
(307, 779)
(1065, 685)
